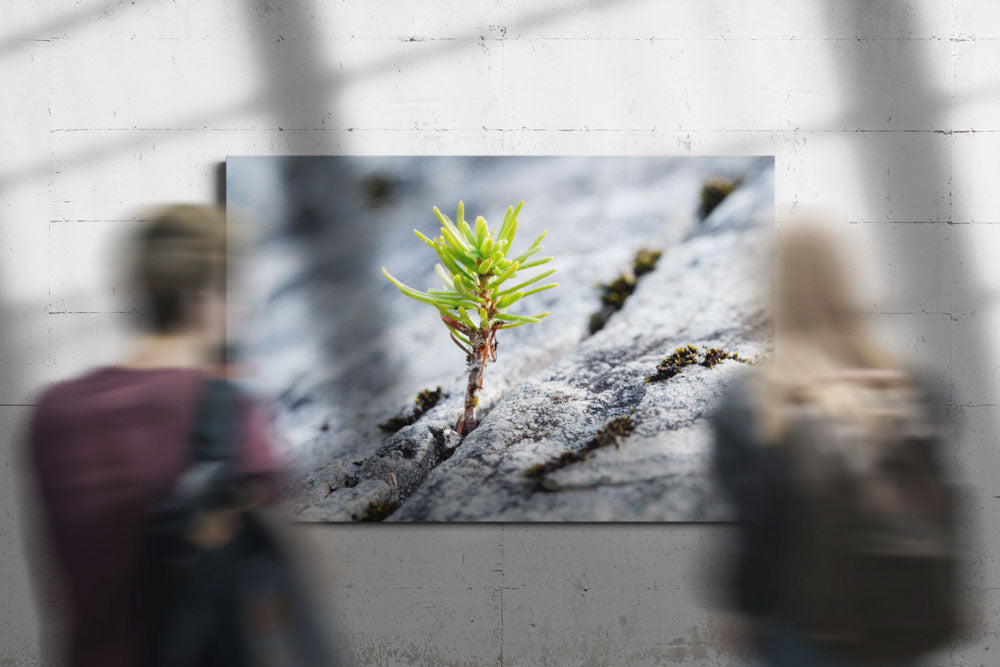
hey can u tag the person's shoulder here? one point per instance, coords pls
(56, 403)
(57, 393)
(86, 389)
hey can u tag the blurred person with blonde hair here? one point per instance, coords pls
(111, 445)
(830, 455)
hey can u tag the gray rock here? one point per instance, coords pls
(349, 503)
(659, 473)
(412, 453)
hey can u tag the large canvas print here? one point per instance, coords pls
(456, 339)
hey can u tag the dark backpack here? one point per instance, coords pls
(237, 605)
(873, 568)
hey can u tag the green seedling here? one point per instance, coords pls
(481, 279)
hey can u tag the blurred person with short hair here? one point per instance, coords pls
(830, 455)
(110, 445)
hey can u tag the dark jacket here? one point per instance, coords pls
(106, 448)
(757, 480)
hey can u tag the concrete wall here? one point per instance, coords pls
(886, 110)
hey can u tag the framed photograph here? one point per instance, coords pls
(459, 339)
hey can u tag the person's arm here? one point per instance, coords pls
(259, 459)
(261, 471)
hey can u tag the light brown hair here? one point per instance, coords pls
(178, 255)
(826, 353)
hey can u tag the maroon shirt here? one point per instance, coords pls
(106, 448)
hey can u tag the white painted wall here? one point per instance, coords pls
(888, 111)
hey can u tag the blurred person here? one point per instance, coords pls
(147, 470)
(830, 454)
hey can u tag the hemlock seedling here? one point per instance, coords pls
(480, 276)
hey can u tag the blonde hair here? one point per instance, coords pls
(178, 254)
(821, 337)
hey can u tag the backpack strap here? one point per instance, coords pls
(209, 480)
(216, 421)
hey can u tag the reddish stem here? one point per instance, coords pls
(477, 366)
(482, 343)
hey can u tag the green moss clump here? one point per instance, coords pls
(597, 321)
(614, 294)
(619, 289)
(425, 400)
(378, 510)
(613, 431)
(683, 357)
(675, 363)
(713, 192)
(378, 189)
(715, 355)
(645, 261)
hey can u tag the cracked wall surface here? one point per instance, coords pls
(887, 111)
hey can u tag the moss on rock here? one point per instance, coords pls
(613, 431)
(615, 293)
(425, 400)
(714, 192)
(378, 510)
(687, 355)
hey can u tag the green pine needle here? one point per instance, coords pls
(473, 263)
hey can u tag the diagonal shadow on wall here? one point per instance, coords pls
(919, 163)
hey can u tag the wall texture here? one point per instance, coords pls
(885, 110)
